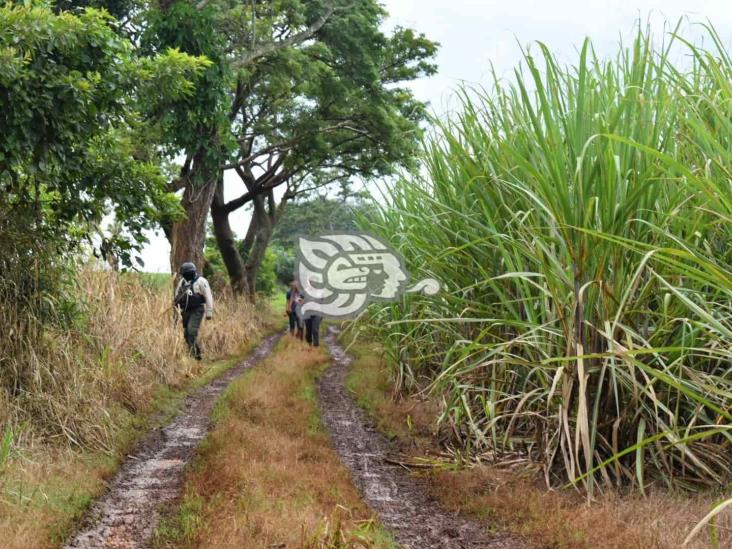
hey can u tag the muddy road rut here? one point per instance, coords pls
(152, 476)
(402, 503)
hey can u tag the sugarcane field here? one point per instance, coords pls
(377, 274)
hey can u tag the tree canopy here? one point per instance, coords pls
(328, 110)
(81, 130)
(291, 94)
(318, 215)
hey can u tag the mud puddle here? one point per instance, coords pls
(152, 476)
(400, 499)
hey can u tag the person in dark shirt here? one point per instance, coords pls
(312, 329)
(312, 322)
(292, 303)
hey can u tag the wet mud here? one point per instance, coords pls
(400, 498)
(152, 476)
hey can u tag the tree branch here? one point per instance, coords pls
(268, 49)
(261, 186)
(290, 143)
(296, 192)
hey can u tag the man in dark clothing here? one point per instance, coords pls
(292, 302)
(194, 299)
(312, 330)
(313, 320)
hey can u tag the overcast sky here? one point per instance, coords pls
(475, 34)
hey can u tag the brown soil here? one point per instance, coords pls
(401, 499)
(152, 476)
(266, 476)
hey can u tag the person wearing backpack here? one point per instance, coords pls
(292, 299)
(194, 300)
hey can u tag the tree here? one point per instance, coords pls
(79, 127)
(318, 215)
(228, 34)
(311, 216)
(299, 95)
(322, 113)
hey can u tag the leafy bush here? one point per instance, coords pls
(267, 275)
(81, 128)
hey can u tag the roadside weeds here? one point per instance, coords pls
(46, 490)
(47, 485)
(516, 500)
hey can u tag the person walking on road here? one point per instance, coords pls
(297, 307)
(194, 299)
(291, 305)
(312, 329)
(313, 320)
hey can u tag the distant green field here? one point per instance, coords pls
(154, 280)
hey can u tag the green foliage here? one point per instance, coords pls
(318, 215)
(117, 8)
(80, 139)
(7, 445)
(284, 263)
(333, 107)
(267, 276)
(77, 107)
(194, 122)
(579, 222)
(309, 217)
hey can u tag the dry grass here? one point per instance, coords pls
(266, 476)
(561, 519)
(43, 494)
(514, 500)
(73, 400)
(115, 354)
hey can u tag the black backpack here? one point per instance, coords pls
(187, 299)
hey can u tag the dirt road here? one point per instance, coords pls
(402, 503)
(152, 476)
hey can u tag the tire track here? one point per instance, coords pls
(400, 499)
(126, 516)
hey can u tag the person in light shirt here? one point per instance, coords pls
(194, 299)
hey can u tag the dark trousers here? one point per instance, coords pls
(292, 317)
(191, 324)
(300, 325)
(312, 330)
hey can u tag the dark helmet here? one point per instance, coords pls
(188, 270)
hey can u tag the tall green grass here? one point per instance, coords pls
(579, 220)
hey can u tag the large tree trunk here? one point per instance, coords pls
(263, 227)
(243, 273)
(187, 236)
(226, 240)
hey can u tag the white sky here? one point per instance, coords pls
(475, 34)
